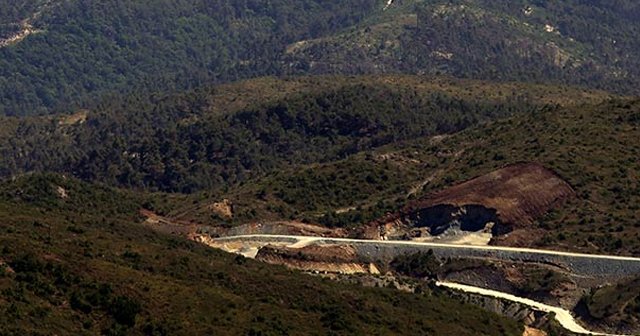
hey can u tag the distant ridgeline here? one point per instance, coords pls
(588, 43)
(96, 46)
(84, 49)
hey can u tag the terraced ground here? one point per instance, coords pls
(546, 281)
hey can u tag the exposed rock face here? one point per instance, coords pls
(5, 268)
(440, 218)
(62, 193)
(333, 254)
(328, 259)
(77, 118)
(506, 199)
(528, 331)
(284, 228)
(531, 318)
(224, 208)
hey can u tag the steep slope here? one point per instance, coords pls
(588, 43)
(86, 49)
(613, 304)
(506, 199)
(74, 261)
(593, 148)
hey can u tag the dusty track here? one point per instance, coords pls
(322, 240)
(26, 27)
(563, 316)
(574, 262)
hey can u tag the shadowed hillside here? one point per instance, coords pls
(220, 136)
(75, 260)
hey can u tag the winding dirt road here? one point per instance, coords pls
(563, 316)
(26, 27)
(309, 240)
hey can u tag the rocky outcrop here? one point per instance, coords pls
(507, 199)
(517, 311)
(223, 208)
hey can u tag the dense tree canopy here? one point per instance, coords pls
(89, 47)
(174, 143)
(84, 49)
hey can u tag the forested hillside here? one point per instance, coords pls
(587, 43)
(135, 133)
(85, 48)
(75, 260)
(78, 51)
(220, 136)
(593, 147)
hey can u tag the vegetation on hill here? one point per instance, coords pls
(419, 265)
(214, 138)
(85, 50)
(613, 305)
(88, 48)
(587, 43)
(129, 78)
(534, 281)
(593, 147)
(75, 260)
(278, 150)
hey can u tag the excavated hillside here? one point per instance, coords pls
(503, 200)
(327, 259)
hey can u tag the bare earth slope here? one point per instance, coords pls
(509, 198)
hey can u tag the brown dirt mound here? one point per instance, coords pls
(224, 208)
(333, 253)
(528, 331)
(325, 259)
(284, 228)
(513, 196)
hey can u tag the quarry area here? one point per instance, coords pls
(502, 203)
(522, 283)
(469, 238)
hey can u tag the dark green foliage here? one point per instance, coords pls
(124, 310)
(51, 281)
(540, 281)
(588, 146)
(616, 304)
(91, 47)
(135, 281)
(592, 147)
(420, 265)
(591, 43)
(176, 143)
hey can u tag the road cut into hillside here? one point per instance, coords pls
(563, 316)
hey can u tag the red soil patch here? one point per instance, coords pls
(518, 193)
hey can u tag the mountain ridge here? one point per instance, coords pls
(574, 43)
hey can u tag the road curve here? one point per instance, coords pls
(309, 240)
(563, 316)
